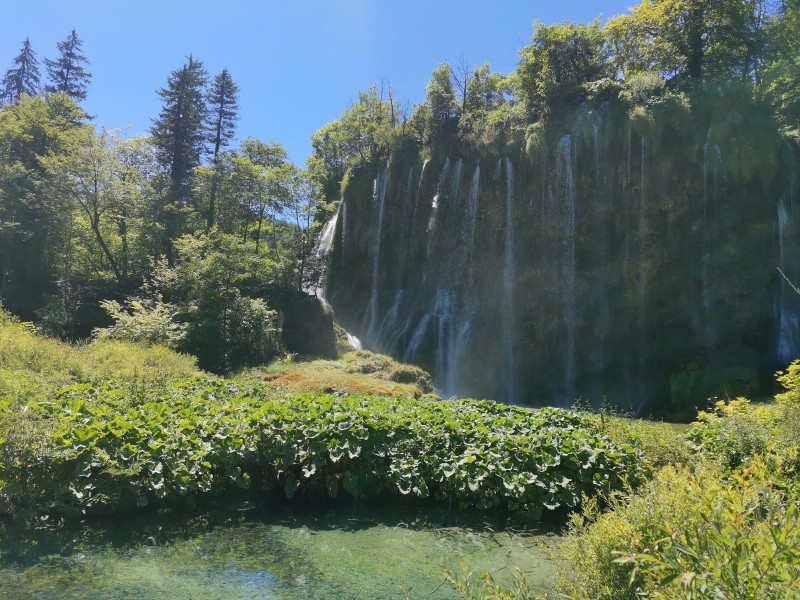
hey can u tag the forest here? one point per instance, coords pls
(192, 324)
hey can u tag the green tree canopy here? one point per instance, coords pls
(555, 69)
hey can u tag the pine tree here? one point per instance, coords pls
(67, 75)
(223, 107)
(179, 135)
(22, 79)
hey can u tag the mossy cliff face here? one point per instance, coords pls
(604, 259)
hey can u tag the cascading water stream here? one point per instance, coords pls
(379, 196)
(320, 252)
(568, 299)
(432, 221)
(471, 217)
(460, 329)
(509, 272)
(707, 309)
(643, 234)
(343, 206)
(788, 323)
(391, 330)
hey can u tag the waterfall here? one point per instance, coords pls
(443, 312)
(452, 212)
(435, 207)
(406, 224)
(568, 298)
(509, 270)
(379, 196)
(388, 333)
(320, 252)
(643, 275)
(452, 356)
(709, 339)
(416, 339)
(471, 216)
(788, 323)
(425, 164)
(343, 206)
(354, 342)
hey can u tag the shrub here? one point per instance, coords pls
(790, 380)
(22, 351)
(742, 541)
(687, 535)
(594, 541)
(149, 321)
(734, 431)
(658, 444)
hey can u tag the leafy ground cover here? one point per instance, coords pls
(115, 445)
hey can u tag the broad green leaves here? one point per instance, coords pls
(117, 445)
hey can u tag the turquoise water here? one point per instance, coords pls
(261, 552)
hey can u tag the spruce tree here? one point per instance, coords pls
(67, 74)
(179, 135)
(223, 107)
(22, 79)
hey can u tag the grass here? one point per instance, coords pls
(356, 372)
(33, 361)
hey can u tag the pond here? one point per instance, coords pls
(267, 551)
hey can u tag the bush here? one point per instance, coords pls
(790, 380)
(659, 444)
(687, 535)
(218, 284)
(743, 541)
(414, 375)
(590, 549)
(735, 431)
(149, 321)
(24, 352)
(115, 445)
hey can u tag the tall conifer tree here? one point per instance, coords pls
(179, 135)
(67, 74)
(22, 79)
(223, 107)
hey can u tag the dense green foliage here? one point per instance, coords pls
(723, 523)
(688, 535)
(107, 445)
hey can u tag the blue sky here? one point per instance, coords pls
(298, 63)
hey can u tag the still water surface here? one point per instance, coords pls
(266, 552)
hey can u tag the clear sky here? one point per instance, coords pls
(299, 63)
